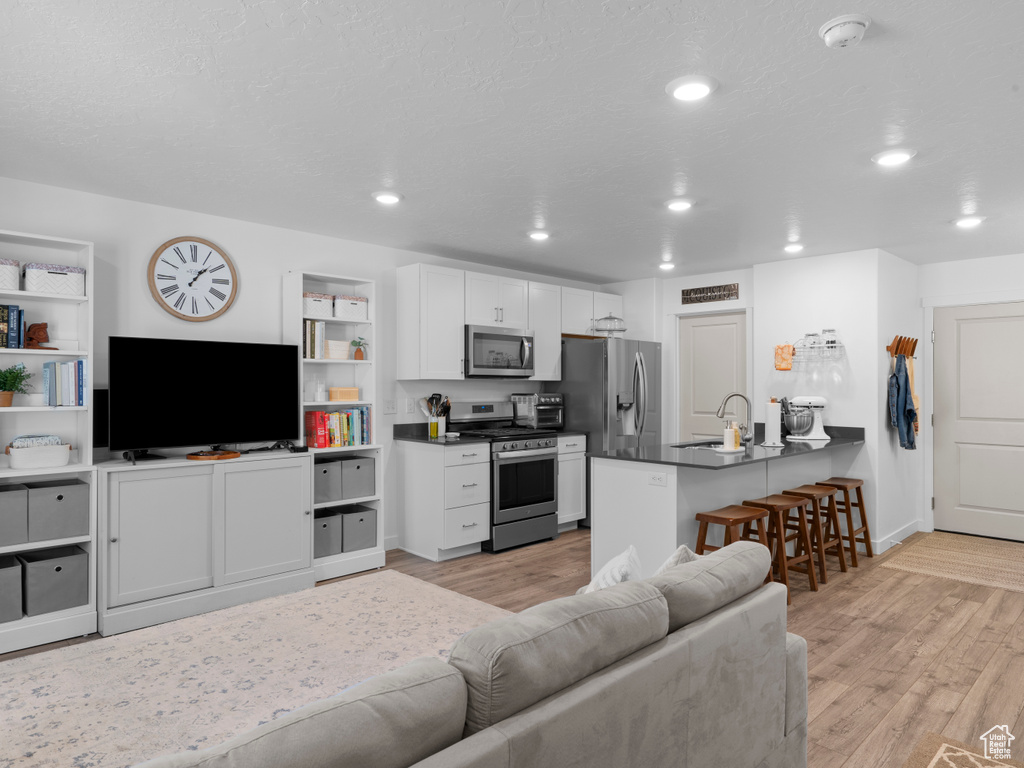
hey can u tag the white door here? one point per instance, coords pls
(572, 487)
(577, 311)
(545, 319)
(979, 420)
(712, 363)
(513, 309)
(483, 299)
(442, 322)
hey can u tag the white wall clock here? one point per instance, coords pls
(192, 279)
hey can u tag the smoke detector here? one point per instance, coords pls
(844, 31)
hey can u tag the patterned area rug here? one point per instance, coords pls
(935, 751)
(971, 559)
(193, 683)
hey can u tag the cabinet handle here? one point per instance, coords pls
(468, 455)
(113, 539)
(503, 314)
(469, 485)
(495, 314)
(470, 525)
(308, 512)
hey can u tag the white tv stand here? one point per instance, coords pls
(180, 537)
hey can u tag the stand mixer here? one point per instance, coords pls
(814, 406)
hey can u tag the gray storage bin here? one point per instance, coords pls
(57, 509)
(357, 477)
(327, 533)
(13, 515)
(359, 527)
(54, 579)
(10, 588)
(326, 481)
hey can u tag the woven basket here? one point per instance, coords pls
(351, 307)
(39, 457)
(10, 275)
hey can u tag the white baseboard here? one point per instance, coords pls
(391, 542)
(886, 542)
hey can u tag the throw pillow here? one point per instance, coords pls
(624, 567)
(680, 556)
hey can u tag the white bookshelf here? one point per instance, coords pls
(70, 326)
(339, 373)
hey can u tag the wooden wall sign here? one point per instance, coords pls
(711, 293)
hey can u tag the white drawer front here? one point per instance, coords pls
(467, 485)
(467, 525)
(474, 453)
(572, 444)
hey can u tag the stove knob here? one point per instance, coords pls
(504, 446)
(515, 446)
(529, 444)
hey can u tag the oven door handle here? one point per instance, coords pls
(527, 454)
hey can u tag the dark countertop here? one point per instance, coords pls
(419, 433)
(681, 456)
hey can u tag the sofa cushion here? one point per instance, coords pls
(390, 721)
(701, 586)
(682, 555)
(622, 567)
(514, 662)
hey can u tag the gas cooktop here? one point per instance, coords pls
(504, 433)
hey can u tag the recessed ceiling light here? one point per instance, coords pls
(691, 87)
(893, 157)
(539, 234)
(969, 222)
(679, 205)
(387, 198)
(793, 248)
(667, 266)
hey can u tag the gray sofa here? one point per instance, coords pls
(691, 668)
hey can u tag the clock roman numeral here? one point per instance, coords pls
(194, 247)
(181, 256)
(195, 307)
(220, 281)
(170, 290)
(217, 268)
(165, 277)
(208, 302)
(218, 294)
(173, 266)
(180, 302)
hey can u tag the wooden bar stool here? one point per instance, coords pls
(829, 536)
(847, 505)
(779, 506)
(737, 521)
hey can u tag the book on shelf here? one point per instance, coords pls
(339, 429)
(314, 333)
(65, 383)
(12, 326)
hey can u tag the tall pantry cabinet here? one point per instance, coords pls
(58, 511)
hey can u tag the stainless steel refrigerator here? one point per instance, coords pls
(612, 391)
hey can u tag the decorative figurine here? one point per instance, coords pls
(36, 335)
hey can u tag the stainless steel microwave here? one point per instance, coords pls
(496, 352)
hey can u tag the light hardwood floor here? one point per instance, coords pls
(891, 655)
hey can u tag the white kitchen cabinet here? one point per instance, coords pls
(607, 304)
(182, 539)
(572, 478)
(580, 309)
(545, 319)
(431, 314)
(446, 498)
(498, 301)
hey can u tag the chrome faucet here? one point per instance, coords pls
(748, 436)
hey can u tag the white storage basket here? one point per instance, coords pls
(39, 456)
(10, 275)
(351, 307)
(317, 304)
(55, 278)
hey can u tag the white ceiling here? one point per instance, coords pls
(494, 116)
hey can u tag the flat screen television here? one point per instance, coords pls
(172, 393)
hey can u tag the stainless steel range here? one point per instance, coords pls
(524, 473)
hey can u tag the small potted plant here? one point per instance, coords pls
(360, 344)
(12, 380)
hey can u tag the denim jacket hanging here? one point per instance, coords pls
(901, 405)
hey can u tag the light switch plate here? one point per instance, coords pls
(390, 407)
(410, 405)
(657, 478)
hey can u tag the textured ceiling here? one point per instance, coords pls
(495, 116)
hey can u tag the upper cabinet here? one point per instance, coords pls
(493, 300)
(546, 322)
(581, 308)
(431, 322)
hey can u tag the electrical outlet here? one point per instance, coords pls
(390, 407)
(657, 478)
(410, 405)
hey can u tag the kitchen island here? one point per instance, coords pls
(648, 496)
